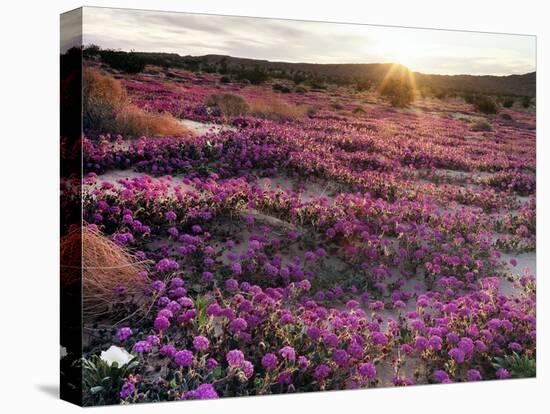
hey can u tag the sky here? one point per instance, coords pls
(422, 50)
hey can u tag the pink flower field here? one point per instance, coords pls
(319, 239)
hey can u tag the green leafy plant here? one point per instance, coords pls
(102, 382)
(520, 366)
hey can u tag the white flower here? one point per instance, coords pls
(116, 354)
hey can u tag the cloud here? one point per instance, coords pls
(316, 42)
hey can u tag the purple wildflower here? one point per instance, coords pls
(288, 353)
(202, 392)
(503, 373)
(457, 354)
(269, 361)
(168, 350)
(321, 372)
(141, 347)
(474, 375)
(367, 370)
(127, 389)
(124, 333)
(201, 343)
(235, 358)
(161, 323)
(184, 358)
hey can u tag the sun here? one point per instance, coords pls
(401, 47)
(405, 57)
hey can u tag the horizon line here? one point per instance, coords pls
(319, 63)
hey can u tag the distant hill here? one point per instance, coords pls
(524, 85)
(373, 73)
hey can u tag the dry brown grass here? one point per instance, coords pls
(107, 108)
(277, 109)
(102, 267)
(228, 104)
(135, 121)
(481, 125)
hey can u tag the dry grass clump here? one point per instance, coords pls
(102, 97)
(277, 109)
(135, 121)
(481, 125)
(107, 108)
(228, 104)
(104, 269)
(272, 108)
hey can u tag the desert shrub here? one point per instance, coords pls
(481, 125)
(277, 109)
(336, 105)
(107, 108)
(234, 105)
(440, 94)
(358, 110)
(398, 93)
(506, 116)
(255, 76)
(228, 104)
(311, 110)
(135, 121)
(508, 102)
(129, 62)
(298, 78)
(363, 85)
(102, 97)
(318, 83)
(300, 89)
(171, 75)
(91, 51)
(281, 88)
(526, 102)
(225, 79)
(485, 105)
(469, 98)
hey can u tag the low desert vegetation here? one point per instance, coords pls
(98, 258)
(277, 109)
(485, 105)
(397, 92)
(229, 104)
(508, 102)
(481, 125)
(106, 107)
(278, 87)
(127, 62)
(276, 253)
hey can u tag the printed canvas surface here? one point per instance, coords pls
(258, 206)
